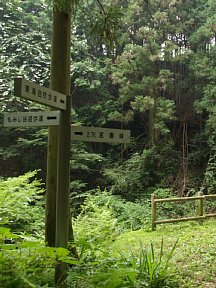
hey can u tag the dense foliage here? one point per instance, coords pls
(21, 204)
(148, 66)
(110, 253)
(157, 79)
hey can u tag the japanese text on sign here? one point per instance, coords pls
(32, 91)
(96, 134)
(41, 118)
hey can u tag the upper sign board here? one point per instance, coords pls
(34, 92)
(97, 134)
(24, 119)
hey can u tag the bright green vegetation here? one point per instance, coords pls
(115, 244)
(21, 204)
(148, 66)
(193, 261)
(158, 80)
(120, 250)
(125, 262)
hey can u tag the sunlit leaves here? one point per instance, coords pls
(18, 209)
(106, 24)
(142, 104)
(25, 49)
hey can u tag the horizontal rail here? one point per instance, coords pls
(210, 196)
(179, 199)
(200, 204)
(179, 219)
(210, 215)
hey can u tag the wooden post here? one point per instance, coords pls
(153, 211)
(200, 205)
(60, 81)
(61, 40)
(60, 155)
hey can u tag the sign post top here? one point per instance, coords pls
(34, 92)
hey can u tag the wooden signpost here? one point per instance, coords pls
(36, 93)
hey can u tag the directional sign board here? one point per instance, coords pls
(24, 119)
(96, 134)
(34, 92)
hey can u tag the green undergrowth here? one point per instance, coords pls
(113, 255)
(175, 255)
(26, 262)
(116, 247)
(194, 259)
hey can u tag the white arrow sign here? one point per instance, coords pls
(51, 118)
(34, 92)
(97, 134)
(24, 119)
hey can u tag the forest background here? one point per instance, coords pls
(155, 77)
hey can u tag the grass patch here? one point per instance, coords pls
(113, 257)
(195, 255)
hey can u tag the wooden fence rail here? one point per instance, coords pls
(200, 201)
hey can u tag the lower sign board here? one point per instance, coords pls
(34, 92)
(24, 119)
(97, 134)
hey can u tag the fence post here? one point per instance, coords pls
(153, 211)
(200, 204)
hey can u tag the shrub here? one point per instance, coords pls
(94, 227)
(141, 171)
(21, 205)
(26, 262)
(125, 214)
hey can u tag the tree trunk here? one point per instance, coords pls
(151, 127)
